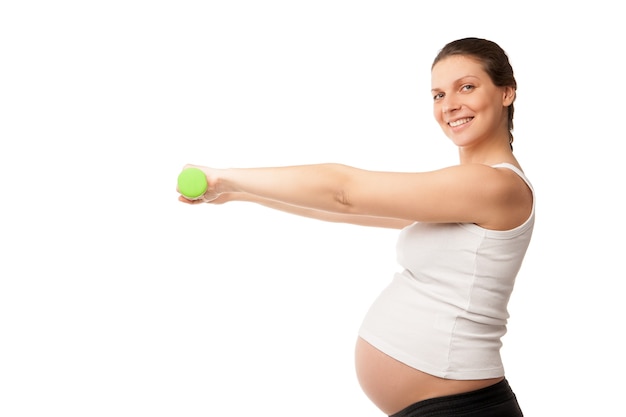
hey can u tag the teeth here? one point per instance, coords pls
(459, 122)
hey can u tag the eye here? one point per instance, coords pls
(467, 87)
(438, 96)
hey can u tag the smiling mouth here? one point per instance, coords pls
(460, 122)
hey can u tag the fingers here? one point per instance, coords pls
(192, 166)
(200, 200)
(182, 199)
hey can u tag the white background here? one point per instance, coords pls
(117, 300)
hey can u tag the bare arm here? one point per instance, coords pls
(323, 215)
(471, 193)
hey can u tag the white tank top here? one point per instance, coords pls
(446, 312)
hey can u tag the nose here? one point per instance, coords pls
(449, 104)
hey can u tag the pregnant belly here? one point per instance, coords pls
(392, 386)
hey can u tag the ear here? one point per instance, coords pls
(508, 96)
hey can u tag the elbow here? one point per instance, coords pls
(343, 181)
(342, 201)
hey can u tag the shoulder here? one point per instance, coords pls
(493, 180)
(510, 196)
(477, 180)
(493, 197)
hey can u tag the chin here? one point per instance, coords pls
(463, 140)
(459, 142)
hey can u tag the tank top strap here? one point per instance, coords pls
(516, 170)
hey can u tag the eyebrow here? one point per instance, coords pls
(458, 81)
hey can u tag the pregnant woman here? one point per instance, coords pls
(430, 343)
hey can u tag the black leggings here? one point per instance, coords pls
(495, 401)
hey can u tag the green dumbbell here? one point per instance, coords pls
(192, 183)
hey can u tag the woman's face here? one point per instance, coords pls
(467, 105)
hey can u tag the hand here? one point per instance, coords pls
(211, 195)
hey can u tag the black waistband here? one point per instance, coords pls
(468, 402)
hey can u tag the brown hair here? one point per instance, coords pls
(494, 60)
